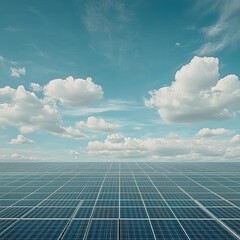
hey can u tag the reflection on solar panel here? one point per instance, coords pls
(70, 201)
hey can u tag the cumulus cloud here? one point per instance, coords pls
(117, 145)
(24, 110)
(97, 124)
(20, 139)
(198, 94)
(17, 72)
(36, 87)
(18, 156)
(174, 148)
(235, 139)
(207, 132)
(73, 92)
(74, 153)
(72, 133)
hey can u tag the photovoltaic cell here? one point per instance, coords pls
(14, 212)
(103, 229)
(50, 212)
(205, 229)
(5, 224)
(135, 230)
(105, 212)
(168, 229)
(84, 212)
(234, 225)
(225, 212)
(190, 213)
(161, 212)
(136, 212)
(76, 230)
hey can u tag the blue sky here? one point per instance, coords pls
(123, 80)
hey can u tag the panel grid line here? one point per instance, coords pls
(144, 206)
(168, 206)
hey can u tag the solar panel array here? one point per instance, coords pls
(119, 200)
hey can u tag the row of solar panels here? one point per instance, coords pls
(122, 212)
(114, 203)
(118, 166)
(114, 229)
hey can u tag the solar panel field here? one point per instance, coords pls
(144, 200)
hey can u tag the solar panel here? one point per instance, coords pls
(84, 212)
(119, 201)
(225, 212)
(76, 230)
(168, 229)
(234, 225)
(136, 230)
(103, 229)
(190, 212)
(208, 229)
(160, 212)
(136, 212)
(14, 212)
(105, 212)
(4, 224)
(37, 230)
(50, 212)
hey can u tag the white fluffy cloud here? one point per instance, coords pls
(116, 145)
(20, 139)
(97, 124)
(198, 94)
(235, 139)
(73, 92)
(72, 133)
(24, 110)
(20, 157)
(17, 72)
(119, 146)
(208, 132)
(36, 87)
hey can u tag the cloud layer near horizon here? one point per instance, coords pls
(168, 148)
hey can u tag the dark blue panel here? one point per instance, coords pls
(14, 212)
(160, 212)
(135, 230)
(103, 229)
(190, 213)
(225, 212)
(37, 230)
(84, 212)
(168, 229)
(234, 225)
(76, 230)
(106, 212)
(4, 224)
(135, 212)
(50, 212)
(107, 203)
(205, 229)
